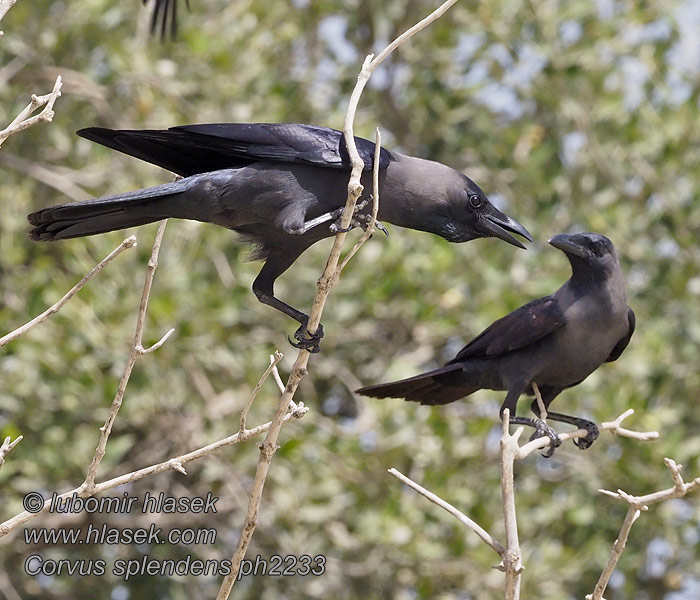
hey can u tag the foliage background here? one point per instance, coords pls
(572, 115)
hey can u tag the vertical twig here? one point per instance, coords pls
(274, 359)
(512, 558)
(325, 283)
(137, 350)
(618, 547)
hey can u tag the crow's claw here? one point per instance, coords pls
(544, 430)
(593, 433)
(381, 228)
(307, 341)
(357, 220)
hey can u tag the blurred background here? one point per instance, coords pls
(570, 115)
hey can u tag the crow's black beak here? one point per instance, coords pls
(568, 244)
(497, 224)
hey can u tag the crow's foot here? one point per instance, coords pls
(307, 341)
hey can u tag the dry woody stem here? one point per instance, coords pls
(23, 120)
(7, 446)
(511, 450)
(637, 505)
(325, 283)
(173, 464)
(129, 242)
(137, 350)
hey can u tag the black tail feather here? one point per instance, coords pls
(425, 388)
(185, 199)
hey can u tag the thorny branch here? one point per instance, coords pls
(325, 283)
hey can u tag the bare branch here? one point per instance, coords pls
(8, 445)
(173, 464)
(618, 547)
(611, 426)
(375, 204)
(276, 375)
(129, 242)
(325, 283)
(637, 504)
(540, 403)
(274, 359)
(5, 5)
(679, 489)
(615, 428)
(23, 121)
(485, 536)
(136, 351)
(512, 558)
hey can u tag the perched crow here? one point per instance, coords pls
(283, 187)
(556, 342)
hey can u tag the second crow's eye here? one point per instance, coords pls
(476, 201)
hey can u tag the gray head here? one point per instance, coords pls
(590, 254)
(473, 216)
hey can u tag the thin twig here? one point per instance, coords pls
(173, 464)
(23, 121)
(611, 426)
(137, 350)
(367, 233)
(638, 504)
(355, 188)
(485, 536)
(618, 547)
(540, 403)
(325, 283)
(129, 242)
(512, 558)
(8, 445)
(276, 375)
(244, 413)
(5, 5)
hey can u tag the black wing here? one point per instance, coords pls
(522, 327)
(622, 344)
(192, 149)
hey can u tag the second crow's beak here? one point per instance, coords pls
(568, 245)
(498, 224)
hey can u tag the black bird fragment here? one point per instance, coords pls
(283, 187)
(164, 17)
(555, 341)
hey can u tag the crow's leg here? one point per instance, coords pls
(548, 394)
(263, 288)
(541, 428)
(336, 215)
(580, 423)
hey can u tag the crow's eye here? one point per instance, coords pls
(598, 248)
(476, 201)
